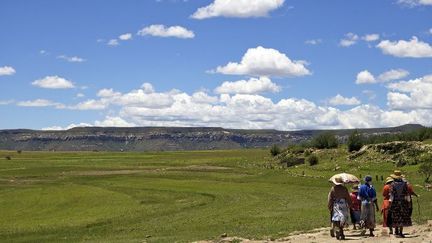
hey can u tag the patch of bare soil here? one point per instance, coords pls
(414, 234)
(103, 172)
(200, 168)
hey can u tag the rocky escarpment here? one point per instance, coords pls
(141, 139)
(159, 138)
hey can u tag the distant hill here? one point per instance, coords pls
(163, 138)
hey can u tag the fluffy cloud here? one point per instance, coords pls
(412, 94)
(413, 3)
(126, 36)
(349, 40)
(41, 103)
(71, 59)
(262, 61)
(165, 31)
(53, 82)
(394, 74)
(251, 86)
(365, 77)
(402, 48)
(409, 102)
(6, 102)
(7, 70)
(113, 42)
(58, 128)
(90, 105)
(238, 8)
(371, 37)
(340, 100)
(313, 42)
(111, 121)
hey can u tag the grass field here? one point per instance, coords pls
(168, 196)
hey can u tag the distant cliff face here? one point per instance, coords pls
(157, 138)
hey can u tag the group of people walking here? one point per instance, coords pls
(361, 204)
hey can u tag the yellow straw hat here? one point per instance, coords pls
(397, 174)
(389, 179)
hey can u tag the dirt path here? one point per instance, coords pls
(415, 234)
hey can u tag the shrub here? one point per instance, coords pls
(296, 149)
(426, 167)
(355, 141)
(19, 151)
(275, 150)
(8, 157)
(325, 140)
(291, 160)
(312, 160)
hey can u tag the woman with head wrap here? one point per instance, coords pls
(369, 204)
(386, 204)
(400, 204)
(339, 202)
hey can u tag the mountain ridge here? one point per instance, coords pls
(164, 138)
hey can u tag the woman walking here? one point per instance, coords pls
(400, 204)
(339, 202)
(355, 206)
(369, 203)
(386, 204)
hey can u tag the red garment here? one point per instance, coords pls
(386, 203)
(356, 204)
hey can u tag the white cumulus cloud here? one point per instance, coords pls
(313, 41)
(262, 61)
(126, 36)
(414, 3)
(365, 77)
(340, 100)
(393, 74)
(113, 42)
(251, 86)
(349, 40)
(411, 94)
(71, 59)
(167, 31)
(53, 82)
(371, 37)
(402, 48)
(238, 8)
(7, 70)
(41, 103)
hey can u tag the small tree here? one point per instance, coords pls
(426, 166)
(275, 150)
(325, 140)
(355, 141)
(312, 160)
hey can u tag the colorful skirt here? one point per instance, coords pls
(367, 215)
(385, 211)
(400, 214)
(340, 212)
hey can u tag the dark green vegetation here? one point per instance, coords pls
(325, 140)
(426, 166)
(171, 196)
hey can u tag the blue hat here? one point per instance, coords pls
(368, 178)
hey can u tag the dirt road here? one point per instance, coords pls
(414, 234)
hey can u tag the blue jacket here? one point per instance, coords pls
(367, 193)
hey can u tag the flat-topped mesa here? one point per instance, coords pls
(163, 138)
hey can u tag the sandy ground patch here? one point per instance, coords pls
(414, 234)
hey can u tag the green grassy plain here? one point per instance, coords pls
(169, 196)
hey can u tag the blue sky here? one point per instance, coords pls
(279, 64)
